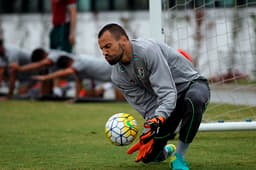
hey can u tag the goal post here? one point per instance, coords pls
(155, 12)
(221, 38)
(227, 126)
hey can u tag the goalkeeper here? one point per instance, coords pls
(162, 85)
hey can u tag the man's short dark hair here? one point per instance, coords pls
(38, 55)
(116, 30)
(63, 61)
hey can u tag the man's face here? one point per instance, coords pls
(111, 48)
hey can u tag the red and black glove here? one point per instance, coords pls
(145, 144)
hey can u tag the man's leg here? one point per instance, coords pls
(194, 104)
(166, 132)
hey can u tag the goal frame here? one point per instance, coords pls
(157, 33)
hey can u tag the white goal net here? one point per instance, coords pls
(220, 35)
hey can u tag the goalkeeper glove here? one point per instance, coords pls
(145, 144)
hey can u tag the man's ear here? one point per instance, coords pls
(123, 38)
(71, 62)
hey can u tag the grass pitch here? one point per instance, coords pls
(57, 135)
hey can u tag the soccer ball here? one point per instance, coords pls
(121, 129)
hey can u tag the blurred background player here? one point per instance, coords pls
(47, 60)
(84, 68)
(11, 58)
(62, 35)
(3, 63)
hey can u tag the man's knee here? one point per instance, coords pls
(198, 97)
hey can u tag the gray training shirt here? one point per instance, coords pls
(19, 56)
(14, 55)
(88, 67)
(155, 77)
(55, 54)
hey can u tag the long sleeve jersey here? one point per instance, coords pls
(93, 68)
(155, 77)
(14, 55)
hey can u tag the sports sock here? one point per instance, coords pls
(182, 147)
(165, 152)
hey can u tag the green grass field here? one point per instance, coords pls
(58, 135)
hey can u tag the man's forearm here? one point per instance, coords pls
(57, 74)
(78, 87)
(73, 15)
(31, 66)
(1, 75)
(12, 80)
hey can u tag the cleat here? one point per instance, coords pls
(169, 149)
(178, 162)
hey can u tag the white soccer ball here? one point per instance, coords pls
(121, 129)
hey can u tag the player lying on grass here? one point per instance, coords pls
(12, 58)
(44, 60)
(3, 62)
(83, 67)
(162, 86)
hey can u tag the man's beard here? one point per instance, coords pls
(117, 58)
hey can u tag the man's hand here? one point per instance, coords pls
(154, 124)
(15, 66)
(145, 144)
(5, 98)
(72, 39)
(40, 78)
(72, 100)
